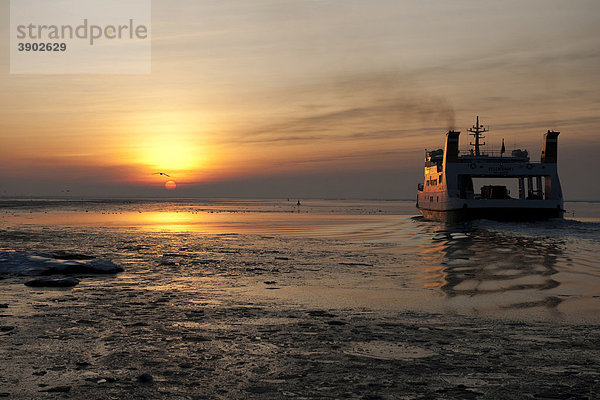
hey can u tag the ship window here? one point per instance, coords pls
(437, 199)
(441, 178)
(430, 198)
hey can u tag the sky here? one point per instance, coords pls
(308, 98)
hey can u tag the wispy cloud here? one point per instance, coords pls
(373, 106)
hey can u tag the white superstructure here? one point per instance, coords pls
(448, 193)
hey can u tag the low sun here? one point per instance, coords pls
(170, 185)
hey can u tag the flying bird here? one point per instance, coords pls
(162, 173)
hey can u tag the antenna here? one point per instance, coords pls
(477, 131)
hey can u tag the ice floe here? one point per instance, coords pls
(22, 263)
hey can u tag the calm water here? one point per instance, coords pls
(337, 254)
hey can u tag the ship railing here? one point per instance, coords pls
(489, 153)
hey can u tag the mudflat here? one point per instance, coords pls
(196, 304)
(127, 343)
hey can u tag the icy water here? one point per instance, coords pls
(342, 254)
(264, 299)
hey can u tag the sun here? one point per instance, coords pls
(176, 142)
(170, 185)
(169, 141)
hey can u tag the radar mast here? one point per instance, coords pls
(477, 131)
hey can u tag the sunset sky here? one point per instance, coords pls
(309, 98)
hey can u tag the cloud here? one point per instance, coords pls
(373, 106)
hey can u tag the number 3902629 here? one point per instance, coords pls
(42, 46)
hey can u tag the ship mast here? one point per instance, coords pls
(477, 131)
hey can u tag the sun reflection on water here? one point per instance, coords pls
(170, 221)
(207, 222)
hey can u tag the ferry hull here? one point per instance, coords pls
(495, 214)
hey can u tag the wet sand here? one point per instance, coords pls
(95, 342)
(350, 313)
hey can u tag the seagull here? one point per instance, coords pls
(162, 173)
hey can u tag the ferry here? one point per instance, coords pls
(448, 193)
